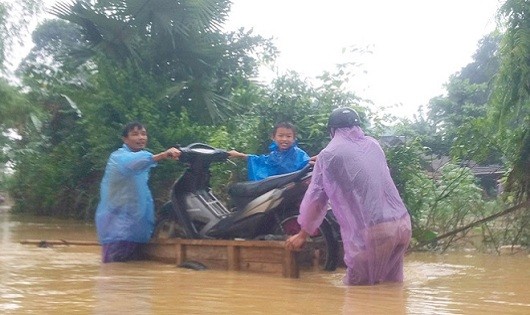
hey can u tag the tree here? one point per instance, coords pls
(15, 110)
(510, 105)
(15, 17)
(110, 67)
(49, 63)
(467, 96)
(178, 43)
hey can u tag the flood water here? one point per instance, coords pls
(71, 279)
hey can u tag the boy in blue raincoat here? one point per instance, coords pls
(125, 214)
(285, 156)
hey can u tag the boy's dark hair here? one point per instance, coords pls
(286, 125)
(131, 126)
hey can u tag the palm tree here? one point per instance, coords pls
(177, 42)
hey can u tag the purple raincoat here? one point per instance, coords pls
(352, 173)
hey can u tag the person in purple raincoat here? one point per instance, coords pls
(125, 214)
(351, 173)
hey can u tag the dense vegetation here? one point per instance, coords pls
(103, 63)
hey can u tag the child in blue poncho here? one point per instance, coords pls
(285, 155)
(125, 214)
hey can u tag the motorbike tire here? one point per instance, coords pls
(322, 246)
(166, 225)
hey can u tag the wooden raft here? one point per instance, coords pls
(245, 255)
(236, 255)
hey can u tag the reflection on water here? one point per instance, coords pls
(71, 279)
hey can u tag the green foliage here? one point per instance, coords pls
(510, 110)
(409, 175)
(513, 229)
(178, 43)
(477, 141)
(468, 92)
(58, 183)
(55, 41)
(440, 202)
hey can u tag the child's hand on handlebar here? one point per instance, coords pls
(236, 154)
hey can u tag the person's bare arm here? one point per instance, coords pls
(171, 153)
(236, 154)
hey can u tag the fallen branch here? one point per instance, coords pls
(48, 243)
(486, 219)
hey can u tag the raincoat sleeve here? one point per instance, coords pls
(257, 167)
(132, 163)
(302, 158)
(126, 210)
(314, 204)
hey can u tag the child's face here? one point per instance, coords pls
(284, 138)
(136, 139)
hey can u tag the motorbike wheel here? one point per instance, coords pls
(167, 225)
(322, 248)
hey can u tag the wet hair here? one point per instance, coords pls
(130, 127)
(286, 125)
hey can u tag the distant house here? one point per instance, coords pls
(488, 175)
(391, 141)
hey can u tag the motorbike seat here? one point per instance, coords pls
(256, 188)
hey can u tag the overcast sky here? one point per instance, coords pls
(416, 44)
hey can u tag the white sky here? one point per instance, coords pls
(416, 44)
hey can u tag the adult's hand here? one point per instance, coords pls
(297, 241)
(172, 153)
(313, 159)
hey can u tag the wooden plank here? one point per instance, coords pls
(235, 255)
(273, 255)
(215, 243)
(290, 267)
(180, 253)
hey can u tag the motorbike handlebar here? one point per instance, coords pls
(204, 152)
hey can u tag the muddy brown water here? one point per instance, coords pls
(71, 280)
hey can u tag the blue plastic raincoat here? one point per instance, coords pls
(276, 162)
(352, 173)
(126, 209)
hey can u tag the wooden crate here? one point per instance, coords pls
(253, 256)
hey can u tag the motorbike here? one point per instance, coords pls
(262, 210)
